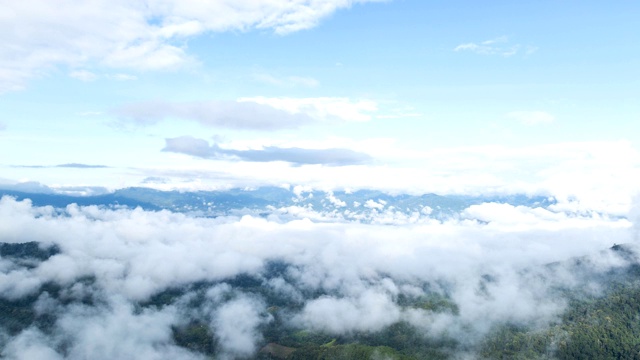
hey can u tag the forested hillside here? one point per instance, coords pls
(600, 324)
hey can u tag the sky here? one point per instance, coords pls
(405, 96)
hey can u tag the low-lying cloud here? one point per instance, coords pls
(298, 156)
(492, 270)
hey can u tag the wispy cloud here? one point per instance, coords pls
(154, 180)
(287, 81)
(88, 76)
(322, 108)
(90, 113)
(123, 77)
(69, 165)
(224, 114)
(497, 46)
(81, 166)
(145, 37)
(399, 115)
(83, 75)
(298, 156)
(259, 113)
(531, 117)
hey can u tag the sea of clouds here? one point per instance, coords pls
(358, 270)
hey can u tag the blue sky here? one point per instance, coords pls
(422, 96)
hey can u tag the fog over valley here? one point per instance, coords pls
(76, 279)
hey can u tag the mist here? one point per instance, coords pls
(493, 263)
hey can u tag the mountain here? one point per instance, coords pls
(359, 205)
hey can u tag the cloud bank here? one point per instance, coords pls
(345, 277)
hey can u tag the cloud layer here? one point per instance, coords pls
(357, 270)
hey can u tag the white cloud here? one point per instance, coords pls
(118, 331)
(87, 76)
(372, 204)
(83, 75)
(498, 40)
(123, 77)
(225, 114)
(259, 113)
(400, 116)
(282, 17)
(30, 344)
(149, 55)
(322, 108)
(287, 81)
(236, 324)
(40, 34)
(335, 201)
(531, 117)
(369, 311)
(497, 46)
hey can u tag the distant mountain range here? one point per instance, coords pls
(357, 205)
